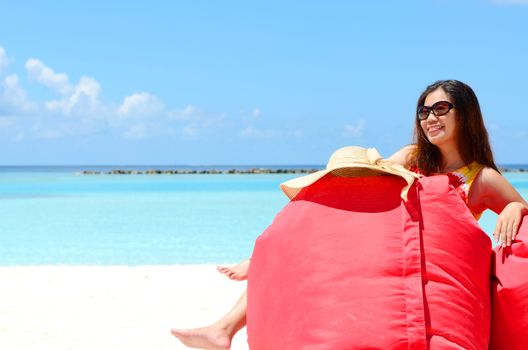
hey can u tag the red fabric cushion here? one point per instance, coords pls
(456, 279)
(510, 294)
(348, 265)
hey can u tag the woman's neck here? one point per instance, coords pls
(451, 159)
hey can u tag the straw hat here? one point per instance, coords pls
(353, 161)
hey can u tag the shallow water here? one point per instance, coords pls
(53, 216)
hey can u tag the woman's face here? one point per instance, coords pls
(440, 130)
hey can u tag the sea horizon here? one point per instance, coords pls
(164, 166)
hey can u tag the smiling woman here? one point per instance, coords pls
(450, 129)
(450, 139)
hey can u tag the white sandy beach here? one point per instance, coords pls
(116, 307)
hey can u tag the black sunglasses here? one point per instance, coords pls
(439, 108)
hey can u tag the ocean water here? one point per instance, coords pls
(54, 216)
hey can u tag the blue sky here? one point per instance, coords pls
(235, 82)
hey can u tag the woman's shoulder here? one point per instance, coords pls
(488, 174)
(404, 155)
(495, 190)
(491, 182)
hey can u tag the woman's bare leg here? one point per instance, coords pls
(219, 335)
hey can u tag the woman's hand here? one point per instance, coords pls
(508, 223)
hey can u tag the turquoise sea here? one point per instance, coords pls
(55, 216)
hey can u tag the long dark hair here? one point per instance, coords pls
(472, 136)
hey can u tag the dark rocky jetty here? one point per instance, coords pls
(503, 169)
(193, 171)
(512, 170)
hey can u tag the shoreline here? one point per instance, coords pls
(111, 307)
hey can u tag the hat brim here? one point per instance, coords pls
(292, 187)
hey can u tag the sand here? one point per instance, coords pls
(114, 307)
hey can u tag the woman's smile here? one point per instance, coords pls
(433, 130)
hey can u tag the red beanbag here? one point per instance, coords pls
(348, 265)
(456, 280)
(510, 294)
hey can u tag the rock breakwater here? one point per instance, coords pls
(193, 171)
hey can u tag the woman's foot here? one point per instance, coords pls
(210, 338)
(238, 272)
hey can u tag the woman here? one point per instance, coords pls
(449, 138)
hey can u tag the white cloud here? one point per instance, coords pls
(146, 128)
(44, 75)
(493, 126)
(197, 122)
(83, 99)
(137, 131)
(189, 110)
(190, 131)
(4, 60)
(53, 131)
(87, 114)
(254, 133)
(140, 104)
(13, 98)
(215, 121)
(256, 113)
(185, 114)
(251, 116)
(267, 134)
(19, 136)
(203, 124)
(49, 134)
(10, 129)
(6, 122)
(354, 131)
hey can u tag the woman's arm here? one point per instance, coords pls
(500, 196)
(403, 156)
